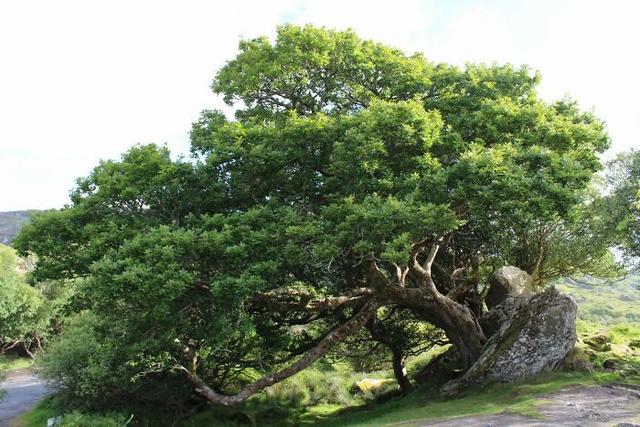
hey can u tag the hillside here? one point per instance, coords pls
(10, 224)
(603, 303)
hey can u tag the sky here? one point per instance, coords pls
(85, 80)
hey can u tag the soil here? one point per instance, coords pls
(602, 405)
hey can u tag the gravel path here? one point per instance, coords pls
(596, 406)
(23, 391)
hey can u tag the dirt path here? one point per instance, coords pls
(24, 390)
(596, 406)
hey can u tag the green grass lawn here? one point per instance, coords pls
(12, 362)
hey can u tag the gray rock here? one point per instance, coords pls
(535, 339)
(443, 368)
(505, 282)
(492, 320)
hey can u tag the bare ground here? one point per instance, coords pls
(601, 405)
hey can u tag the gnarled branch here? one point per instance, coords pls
(336, 335)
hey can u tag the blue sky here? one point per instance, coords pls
(82, 81)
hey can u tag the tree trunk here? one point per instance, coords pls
(378, 333)
(456, 320)
(463, 330)
(399, 371)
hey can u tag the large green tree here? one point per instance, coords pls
(353, 179)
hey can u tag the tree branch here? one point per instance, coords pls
(423, 272)
(336, 335)
(288, 300)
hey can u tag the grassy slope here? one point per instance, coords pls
(12, 362)
(611, 310)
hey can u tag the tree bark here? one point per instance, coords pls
(397, 354)
(400, 371)
(455, 319)
(336, 335)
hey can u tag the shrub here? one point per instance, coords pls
(77, 361)
(78, 419)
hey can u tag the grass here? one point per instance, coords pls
(318, 396)
(425, 404)
(38, 416)
(13, 362)
(422, 405)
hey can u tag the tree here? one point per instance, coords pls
(619, 210)
(355, 179)
(24, 317)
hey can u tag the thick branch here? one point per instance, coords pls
(288, 300)
(336, 335)
(423, 272)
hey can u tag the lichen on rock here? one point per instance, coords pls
(507, 281)
(537, 333)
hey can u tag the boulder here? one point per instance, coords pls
(535, 339)
(442, 368)
(492, 320)
(505, 282)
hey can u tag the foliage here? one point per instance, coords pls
(51, 407)
(29, 315)
(78, 419)
(346, 158)
(619, 210)
(21, 306)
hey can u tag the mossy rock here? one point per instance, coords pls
(442, 368)
(536, 339)
(600, 342)
(577, 360)
(507, 282)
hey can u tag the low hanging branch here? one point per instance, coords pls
(319, 350)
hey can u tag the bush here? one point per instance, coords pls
(29, 315)
(78, 419)
(95, 373)
(21, 310)
(78, 362)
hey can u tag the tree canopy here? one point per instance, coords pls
(354, 180)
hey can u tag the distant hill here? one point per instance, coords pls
(606, 303)
(11, 223)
